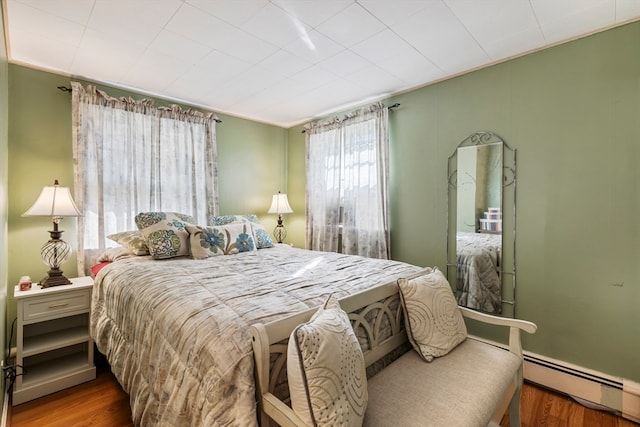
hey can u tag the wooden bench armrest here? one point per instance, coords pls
(514, 325)
(515, 347)
(280, 412)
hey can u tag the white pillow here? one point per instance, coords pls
(134, 241)
(434, 323)
(326, 371)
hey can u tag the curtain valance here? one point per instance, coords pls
(95, 96)
(360, 114)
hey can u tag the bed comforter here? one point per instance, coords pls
(175, 332)
(478, 258)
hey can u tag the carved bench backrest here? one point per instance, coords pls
(377, 319)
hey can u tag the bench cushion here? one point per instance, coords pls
(461, 389)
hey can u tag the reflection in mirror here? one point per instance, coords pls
(481, 249)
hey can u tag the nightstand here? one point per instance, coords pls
(53, 343)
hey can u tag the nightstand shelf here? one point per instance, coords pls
(44, 370)
(65, 337)
(54, 348)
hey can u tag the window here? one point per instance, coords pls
(132, 156)
(347, 184)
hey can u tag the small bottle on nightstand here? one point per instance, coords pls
(25, 283)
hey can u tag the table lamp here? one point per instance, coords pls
(280, 205)
(56, 202)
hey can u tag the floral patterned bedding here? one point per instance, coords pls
(478, 263)
(176, 334)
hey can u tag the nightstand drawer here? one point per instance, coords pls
(56, 305)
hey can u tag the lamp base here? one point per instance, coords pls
(55, 278)
(280, 232)
(54, 253)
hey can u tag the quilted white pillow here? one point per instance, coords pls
(326, 370)
(434, 323)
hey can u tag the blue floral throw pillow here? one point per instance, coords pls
(263, 240)
(220, 240)
(165, 232)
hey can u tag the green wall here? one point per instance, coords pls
(251, 166)
(572, 112)
(296, 178)
(4, 115)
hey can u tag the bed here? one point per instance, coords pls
(176, 331)
(478, 271)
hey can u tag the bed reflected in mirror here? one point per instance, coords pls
(481, 246)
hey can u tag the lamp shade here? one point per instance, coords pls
(54, 201)
(280, 204)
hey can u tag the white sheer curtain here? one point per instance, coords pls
(132, 156)
(324, 153)
(366, 174)
(347, 183)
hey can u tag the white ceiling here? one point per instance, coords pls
(286, 61)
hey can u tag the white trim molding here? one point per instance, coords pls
(6, 409)
(631, 400)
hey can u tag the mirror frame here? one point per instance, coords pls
(507, 269)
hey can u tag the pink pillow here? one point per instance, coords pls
(96, 268)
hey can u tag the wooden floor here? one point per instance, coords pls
(102, 403)
(98, 403)
(540, 407)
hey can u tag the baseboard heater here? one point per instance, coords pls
(588, 387)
